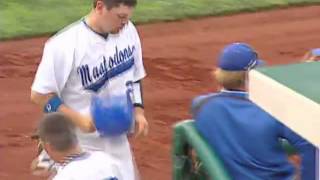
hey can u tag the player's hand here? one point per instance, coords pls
(39, 171)
(83, 122)
(142, 126)
(295, 160)
(87, 124)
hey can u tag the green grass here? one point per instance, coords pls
(21, 18)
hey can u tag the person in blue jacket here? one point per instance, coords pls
(247, 138)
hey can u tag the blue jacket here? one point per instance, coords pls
(247, 138)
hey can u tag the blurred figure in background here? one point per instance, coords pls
(312, 55)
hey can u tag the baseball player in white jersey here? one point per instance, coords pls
(97, 55)
(57, 136)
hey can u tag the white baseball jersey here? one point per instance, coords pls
(78, 63)
(94, 165)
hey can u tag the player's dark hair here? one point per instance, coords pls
(57, 130)
(116, 3)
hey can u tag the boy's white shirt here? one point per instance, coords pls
(78, 58)
(95, 165)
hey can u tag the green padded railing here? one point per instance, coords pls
(186, 138)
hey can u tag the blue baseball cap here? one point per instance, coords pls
(239, 57)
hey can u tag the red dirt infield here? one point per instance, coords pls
(178, 58)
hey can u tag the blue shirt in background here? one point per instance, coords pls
(247, 138)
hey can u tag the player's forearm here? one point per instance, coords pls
(306, 151)
(83, 122)
(40, 99)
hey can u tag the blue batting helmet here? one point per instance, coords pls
(239, 57)
(112, 115)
